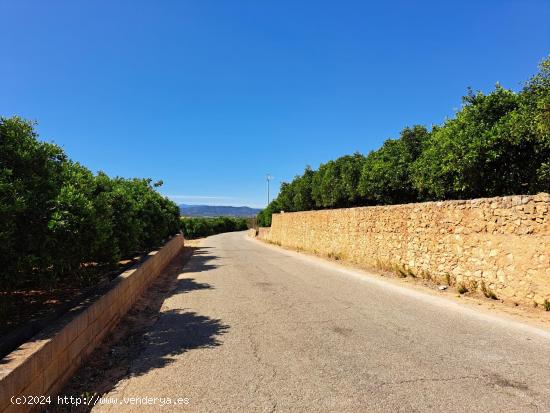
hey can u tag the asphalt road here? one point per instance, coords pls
(251, 327)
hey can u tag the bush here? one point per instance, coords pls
(196, 227)
(56, 215)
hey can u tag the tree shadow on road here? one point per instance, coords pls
(148, 338)
(174, 333)
(202, 260)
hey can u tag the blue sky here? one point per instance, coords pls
(211, 95)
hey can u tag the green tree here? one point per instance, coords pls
(303, 200)
(56, 216)
(458, 160)
(386, 174)
(335, 184)
(196, 227)
(285, 199)
(263, 219)
(30, 181)
(496, 144)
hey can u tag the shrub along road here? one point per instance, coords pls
(250, 327)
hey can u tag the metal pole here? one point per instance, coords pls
(268, 177)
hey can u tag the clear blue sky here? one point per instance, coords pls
(211, 95)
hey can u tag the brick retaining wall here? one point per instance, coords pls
(43, 365)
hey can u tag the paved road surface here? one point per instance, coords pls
(255, 328)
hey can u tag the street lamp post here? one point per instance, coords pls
(268, 178)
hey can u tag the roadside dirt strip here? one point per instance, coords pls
(242, 326)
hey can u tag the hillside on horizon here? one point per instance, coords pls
(218, 210)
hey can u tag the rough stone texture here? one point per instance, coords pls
(41, 366)
(501, 244)
(262, 232)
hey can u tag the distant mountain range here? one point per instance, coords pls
(218, 211)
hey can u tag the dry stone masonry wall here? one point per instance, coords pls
(500, 244)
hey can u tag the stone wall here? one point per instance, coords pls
(43, 365)
(501, 244)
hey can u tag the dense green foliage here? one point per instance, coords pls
(497, 144)
(56, 215)
(196, 227)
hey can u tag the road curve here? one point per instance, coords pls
(251, 327)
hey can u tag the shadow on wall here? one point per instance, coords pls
(147, 338)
